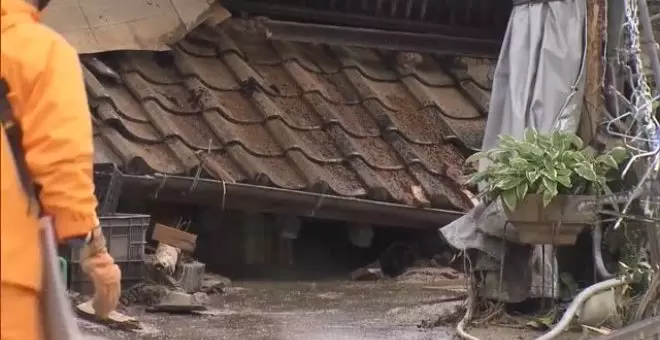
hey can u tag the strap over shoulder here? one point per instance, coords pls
(14, 137)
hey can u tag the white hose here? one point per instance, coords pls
(577, 303)
(565, 321)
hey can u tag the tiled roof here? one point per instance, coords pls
(340, 120)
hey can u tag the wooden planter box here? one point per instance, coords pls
(559, 223)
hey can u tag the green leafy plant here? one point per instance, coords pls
(546, 165)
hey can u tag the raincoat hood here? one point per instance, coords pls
(14, 12)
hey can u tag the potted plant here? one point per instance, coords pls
(541, 180)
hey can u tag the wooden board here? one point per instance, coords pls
(115, 319)
(174, 237)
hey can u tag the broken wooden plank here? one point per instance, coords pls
(217, 15)
(174, 237)
(594, 71)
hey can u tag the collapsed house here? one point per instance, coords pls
(255, 125)
(233, 122)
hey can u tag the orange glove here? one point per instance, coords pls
(105, 274)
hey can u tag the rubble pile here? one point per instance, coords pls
(174, 282)
(402, 263)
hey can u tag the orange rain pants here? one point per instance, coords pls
(47, 96)
(23, 322)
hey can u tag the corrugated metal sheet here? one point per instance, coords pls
(345, 121)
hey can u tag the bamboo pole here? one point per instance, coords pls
(594, 103)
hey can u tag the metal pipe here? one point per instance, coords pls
(611, 99)
(379, 17)
(381, 39)
(577, 303)
(268, 199)
(649, 41)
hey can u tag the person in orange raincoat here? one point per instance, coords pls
(46, 95)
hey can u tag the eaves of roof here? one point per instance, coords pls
(343, 121)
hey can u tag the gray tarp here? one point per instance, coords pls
(538, 83)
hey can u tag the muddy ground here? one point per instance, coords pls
(310, 311)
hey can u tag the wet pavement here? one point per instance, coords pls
(313, 311)
(297, 311)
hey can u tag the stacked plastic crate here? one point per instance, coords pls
(124, 234)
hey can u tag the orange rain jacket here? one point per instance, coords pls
(47, 95)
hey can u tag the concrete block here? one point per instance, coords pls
(190, 276)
